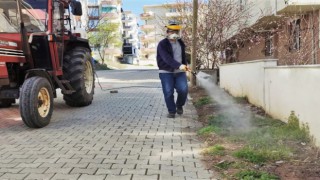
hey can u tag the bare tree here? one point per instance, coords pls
(218, 20)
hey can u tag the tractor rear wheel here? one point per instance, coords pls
(6, 102)
(36, 102)
(78, 69)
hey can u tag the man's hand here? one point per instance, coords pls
(184, 68)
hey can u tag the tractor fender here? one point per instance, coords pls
(78, 42)
(41, 73)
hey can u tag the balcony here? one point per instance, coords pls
(147, 27)
(110, 2)
(127, 19)
(127, 28)
(147, 16)
(110, 15)
(147, 50)
(147, 38)
(297, 6)
(173, 14)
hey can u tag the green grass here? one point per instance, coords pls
(224, 165)
(215, 150)
(268, 141)
(203, 101)
(207, 130)
(243, 99)
(255, 175)
(251, 155)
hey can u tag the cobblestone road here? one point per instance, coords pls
(123, 135)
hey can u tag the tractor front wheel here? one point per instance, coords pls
(78, 69)
(36, 102)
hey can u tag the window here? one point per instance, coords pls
(172, 10)
(93, 24)
(108, 9)
(93, 11)
(294, 38)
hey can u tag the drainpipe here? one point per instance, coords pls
(314, 61)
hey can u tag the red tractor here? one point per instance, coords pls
(39, 54)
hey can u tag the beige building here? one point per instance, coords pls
(112, 9)
(130, 37)
(285, 30)
(156, 17)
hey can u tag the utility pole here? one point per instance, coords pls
(194, 41)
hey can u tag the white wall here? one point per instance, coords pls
(278, 90)
(246, 79)
(294, 88)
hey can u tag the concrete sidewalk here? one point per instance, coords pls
(123, 135)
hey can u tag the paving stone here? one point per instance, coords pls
(145, 177)
(92, 177)
(84, 171)
(133, 171)
(59, 170)
(10, 170)
(13, 176)
(65, 176)
(169, 177)
(74, 165)
(34, 170)
(129, 166)
(52, 165)
(119, 177)
(39, 176)
(104, 166)
(184, 174)
(109, 171)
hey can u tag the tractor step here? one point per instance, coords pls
(64, 85)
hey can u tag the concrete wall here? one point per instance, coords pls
(294, 88)
(277, 89)
(246, 79)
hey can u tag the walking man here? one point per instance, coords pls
(171, 60)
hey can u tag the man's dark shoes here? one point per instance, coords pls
(171, 115)
(179, 110)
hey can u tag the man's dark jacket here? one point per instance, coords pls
(165, 57)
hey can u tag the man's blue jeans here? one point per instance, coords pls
(171, 81)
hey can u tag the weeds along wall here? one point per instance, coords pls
(277, 89)
(294, 88)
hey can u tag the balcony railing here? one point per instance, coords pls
(148, 50)
(127, 28)
(147, 27)
(173, 14)
(110, 15)
(110, 2)
(147, 38)
(297, 6)
(147, 16)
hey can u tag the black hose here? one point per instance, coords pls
(121, 87)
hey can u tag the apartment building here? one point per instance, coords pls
(156, 17)
(93, 12)
(130, 46)
(287, 30)
(112, 9)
